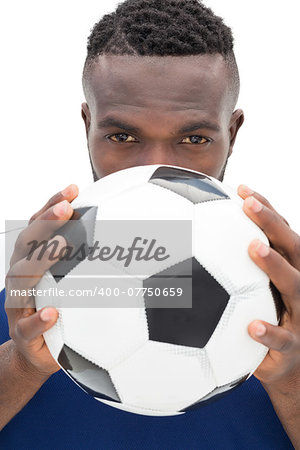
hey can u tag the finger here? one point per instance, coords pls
(25, 274)
(274, 337)
(69, 193)
(278, 232)
(41, 229)
(284, 276)
(244, 192)
(33, 326)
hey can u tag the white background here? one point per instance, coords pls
(42, 138)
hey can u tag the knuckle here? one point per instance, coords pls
(56, 198)
(46, 205)
(12, 259)
(19, 331)
(296, 245)
(12, 333)
(32, 218)
(296, 290)
(52, 200)
(11, 280)
(21, 244)
(6, 304)
(270, 219)
(287, 343)
(285, 221)
(262, 199)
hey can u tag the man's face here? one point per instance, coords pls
(160, 110)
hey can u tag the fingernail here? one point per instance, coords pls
(254, 204)
(67, 190)
(260, 329)
(46, 314)
(262, 249)
(60, 209)
(247, 190)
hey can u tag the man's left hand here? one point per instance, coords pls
(281, 262)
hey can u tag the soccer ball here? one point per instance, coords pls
(152, 356)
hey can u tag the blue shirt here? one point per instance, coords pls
(62, 416)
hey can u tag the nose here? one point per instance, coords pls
(159, 153)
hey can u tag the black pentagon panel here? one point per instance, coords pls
(195, 187)
(79, 234)
(216, 394)
(181, 270)
(92, 379)
(192, 326)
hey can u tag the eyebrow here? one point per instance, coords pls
(189, 127)
(199, 125)
(112, 122)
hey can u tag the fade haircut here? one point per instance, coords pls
(163, 28)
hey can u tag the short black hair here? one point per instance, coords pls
(162, 28)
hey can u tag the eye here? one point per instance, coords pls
(194, 140)
(121, 137)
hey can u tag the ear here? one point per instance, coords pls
(86, 115)
(236, 121)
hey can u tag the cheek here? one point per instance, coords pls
(100, 159)
(105, 158)
(213, 162)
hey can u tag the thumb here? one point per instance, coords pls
(33, 326)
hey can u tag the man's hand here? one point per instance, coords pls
(26, 326)
(280, 370)
(281, 262)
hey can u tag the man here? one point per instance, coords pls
(161, 84)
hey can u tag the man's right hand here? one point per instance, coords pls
(26, 325)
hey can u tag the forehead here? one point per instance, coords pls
(166, 84)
